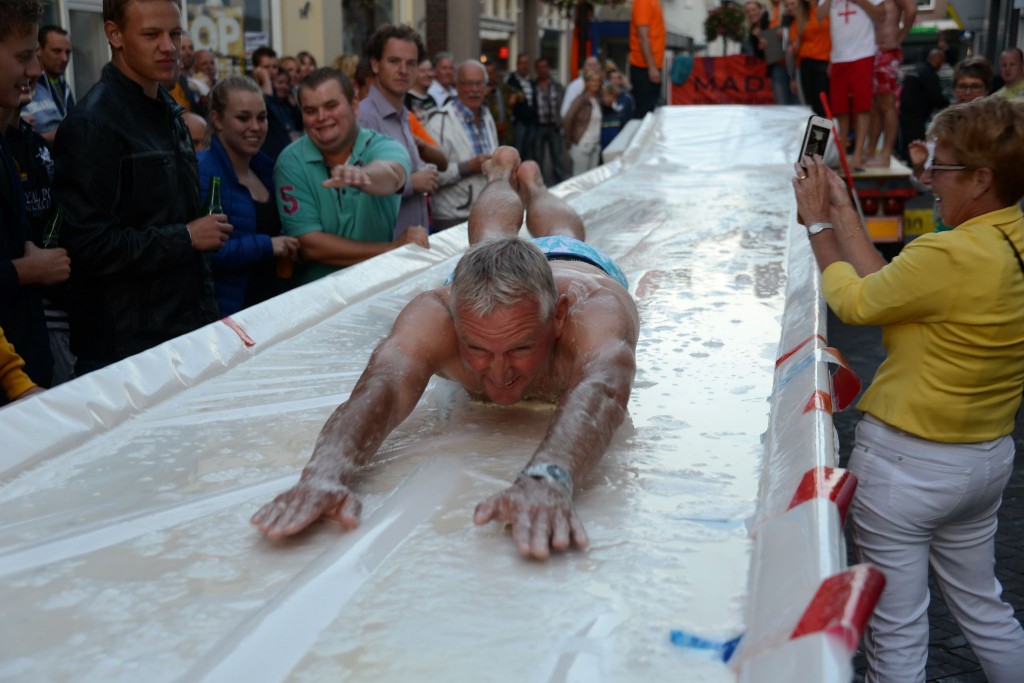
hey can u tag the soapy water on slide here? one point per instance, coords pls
(131, 556)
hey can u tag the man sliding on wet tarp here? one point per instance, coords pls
(548, 318)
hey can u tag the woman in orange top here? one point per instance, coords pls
(812, 45)
(429, 151)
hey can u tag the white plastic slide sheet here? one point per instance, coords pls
(125, 548)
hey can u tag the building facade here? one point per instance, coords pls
(484, 29)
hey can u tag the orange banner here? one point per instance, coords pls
(736, 79)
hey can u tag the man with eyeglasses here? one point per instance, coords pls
(921, 95)
(465, 130)
(971, 80)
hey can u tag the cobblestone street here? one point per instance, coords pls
(950, 659)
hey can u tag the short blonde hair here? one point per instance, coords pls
(986, 133)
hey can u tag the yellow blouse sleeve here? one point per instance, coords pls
(917, 286)
(13, 380)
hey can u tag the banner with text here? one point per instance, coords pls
(736, 79)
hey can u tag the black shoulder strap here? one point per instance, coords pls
(1021, 264)
(1012, 246)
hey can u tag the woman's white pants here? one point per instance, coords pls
(917, 503)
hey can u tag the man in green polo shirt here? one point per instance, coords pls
(339, 186)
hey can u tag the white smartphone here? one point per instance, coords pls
(816, 137)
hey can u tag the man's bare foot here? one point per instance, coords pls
(529, 177)
(502, 164)
(879, 161)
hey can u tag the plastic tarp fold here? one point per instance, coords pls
(125, 548)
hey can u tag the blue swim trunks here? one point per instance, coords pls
(560, 248)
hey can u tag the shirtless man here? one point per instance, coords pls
(890, 32)
(512, 325)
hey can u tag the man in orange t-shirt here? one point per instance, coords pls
(646, 54)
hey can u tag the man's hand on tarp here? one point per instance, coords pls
(541, 514)
(303, 504)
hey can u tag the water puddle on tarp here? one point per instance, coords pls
(131, 557)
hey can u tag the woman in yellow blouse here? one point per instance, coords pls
(13, 380)
(934, 450)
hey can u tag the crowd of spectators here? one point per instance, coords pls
(314, 169)
(851, 52)
(564, 128)
(321, 168)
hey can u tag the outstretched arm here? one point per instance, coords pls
(538, 505)
(385, 394)
(379, 178)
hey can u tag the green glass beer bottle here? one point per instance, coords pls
(213, 197)
(52, 231)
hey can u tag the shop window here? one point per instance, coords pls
(361, 18)
(232, 29)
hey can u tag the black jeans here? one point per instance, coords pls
(549, 137)
(646, 93)
(813, 81)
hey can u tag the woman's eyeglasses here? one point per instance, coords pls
(930, 164)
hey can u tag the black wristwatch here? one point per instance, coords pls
(551, 473)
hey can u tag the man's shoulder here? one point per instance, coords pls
(1011, 92)
(435, 117)
(109, 105)
(100, 118)
(23, 129)
(645, 7)
(426, 320)
(377, 145)
(41, 94)
(297, 153)
(374, 108)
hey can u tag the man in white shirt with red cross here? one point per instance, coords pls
(853, 57)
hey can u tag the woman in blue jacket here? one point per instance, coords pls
(244, 268)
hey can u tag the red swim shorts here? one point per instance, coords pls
(887, 72)
(851, 81)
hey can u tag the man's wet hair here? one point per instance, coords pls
(502, 272)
